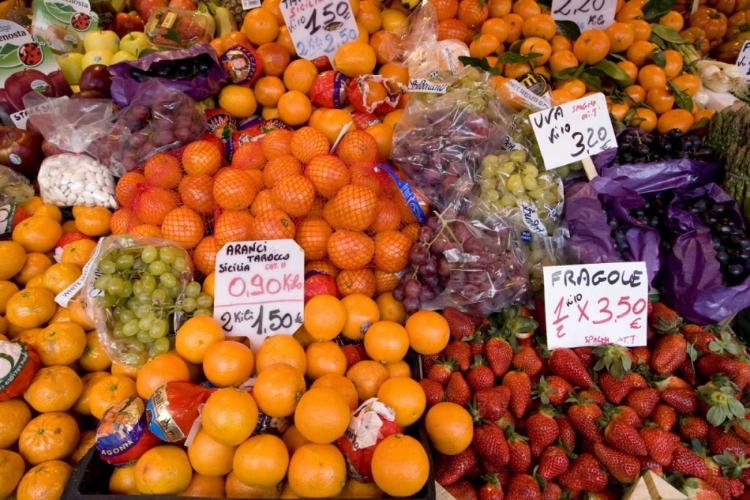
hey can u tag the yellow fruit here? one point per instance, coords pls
(61, 343)
(46, 481)
(60, 276)
(50, 436)
(55, 388)
(38, 233)
(14, 415)
(355, 58)
(30, 308)
(122, 481)
(11, 470)
(14, 257)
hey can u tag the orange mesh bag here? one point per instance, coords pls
(349, 250)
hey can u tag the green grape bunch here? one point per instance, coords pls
(147, 293)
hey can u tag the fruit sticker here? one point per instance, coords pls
(63, 23)
(80, 21)
(30, 54)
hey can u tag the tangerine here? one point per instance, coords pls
(230, 416)
(209, 457)
(201, 157)
(164, 470)
(449, 427)
(228, 363)
(278, 388)
(356, 281)
(261, 461)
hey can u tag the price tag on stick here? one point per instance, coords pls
(319, 27)
(259, 289)
(596, 304)
(587, 14)
(574, 131)
(743, 60)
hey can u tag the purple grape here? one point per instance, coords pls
(427, 295)
(443, 267)
(419, 255)
(398, 293)
(412, 288)
(411, 305)
(426, 234)
(428, 269)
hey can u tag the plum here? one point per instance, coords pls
(20, 83)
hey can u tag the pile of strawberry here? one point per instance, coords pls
(560, 424)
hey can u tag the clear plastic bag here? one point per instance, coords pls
(68, 179)
(15, 189)
(119, 319)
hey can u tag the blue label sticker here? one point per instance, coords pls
(526, 236)
(411, 199)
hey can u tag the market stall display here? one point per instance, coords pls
(469, 249)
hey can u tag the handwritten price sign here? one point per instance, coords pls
(596, 304)
(743, 60)
(573, 131)
(259, 289)
(587, 14)
(319, 27)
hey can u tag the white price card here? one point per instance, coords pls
(573, 131)
(259, 289)
(596, 304)
(319, 27)
(587, 14)
(743, 60)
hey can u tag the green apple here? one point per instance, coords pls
(71, 65)
(97, 57)
(122, 55)
(101, 40)
(136, 43)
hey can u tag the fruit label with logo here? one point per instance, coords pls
(596, 304)
(26, 64)
(243, 65)
(63, 23)
(319, 27)
(7, 213)
(259, 289)
(122, 435)
(63, 298)
(18, 365)
(587, 14)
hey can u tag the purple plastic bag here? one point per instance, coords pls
(124, 87)
(659, 175)
(692, 283)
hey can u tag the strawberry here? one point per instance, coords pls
(499, 354)
(520, 392)
(687, 463)
(660, 444)
(698, 337)
(553, 390)
(441, 371)
(526, 360)
(664, 416)
(564, 363)
(712, 364)
(697, 489)
(553, 462)
(542, 430)
(490, 444)
(670, 382)
(594, 395)
(643, 401)
(354, 353)
(625, 414)
(641, 355)
(451, 468)
(458, 391)
(491, 489)
(623, 437)
(621, 466)
(433, 391)
(462, 490)
(428, 361)
(583, 415)
(692, 427)
(567, 433)
(523, 487)
(480, 376)
(650, 464)
(637, 380)
(720, 440)
(741, 427)
(552, 491)
(670, 351)
(682, 400)
(663, 319)
(476, 344)
(461, 325)
(460, 352)
(586, 355)
(520, 454)
(614, 390)
(585, 472)
(490, 404)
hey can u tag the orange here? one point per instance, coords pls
(228, 363)
(60, 276)
(322, 415)
(672, 20)
(370, 16)
(183, 226)
(208, 457)
(342, 385)
(473, 12)
(164, 470)
(128, 188)
(277, 143)
(325, 317)
(293, 440)
(54, 388)
(361, 313)
(85, 443)
(233, 225)
(539, 25)
(275, 58)
(275, 8)
(44, 481)
(295, 193)
(619, 111)
(110, 391)
(273, 225)
(261, 461)
(332, 122)
(538, 46)
(294, 108)
(621, 36)
(391, 309)
(406, 397)
(230, 416)
(38, 233)
(78, 252)
(50, 211)
(312, 235)
(357, 146)
(234, 488)
(93, 221)
(356, 281)
(123, 369)
(562, 60)
(367, 376)
(392, 250)
(651, 76)
(660, 99)
(280, 167)
(30, 308)
(204, 255)
(324, 358)
(50, 436)
(195, 336)
(400, 465)
(690, 84)
(83, 403)
(383, 135)
(263, 201)
(237, 100)
(591, 47)
(351, 249)
(36, 264)
(163, 170)
(398, 369)
(638, 53)
(7, 289)
(122, 481)
(16, 414)
(260, 26)
(233, 189)
(201, 157)
(204, 487)
(31, 205)
(355, 58)
(155, 203)
(499, 8)
(428, 332)
(308, 142)
(629, 12)
(249, 156)
(299, 75)
(395, 71)
(636, 94)
(449, 427)
(575, 86)
(629, 68)
(385, 44)
(328, 174)
(356, 489)
(675, 119)
(158, 371)
(559, 42)
(354, 208)
(387, 217)
(674, 62)
(61, 343)
(526, 8)
(386, 342)
(317, 470)
(196, 192)
(14, 258)
(280, 349)
(278, 389)
(641, 29)
(644, 118)
(560, 96)
(12, 468)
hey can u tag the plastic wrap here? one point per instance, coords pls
(174, 70)
(68, 180)
(15, 189)
(173, 409)
(692, 282)
(174, 28)
(122, 435)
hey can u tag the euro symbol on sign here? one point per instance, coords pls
(634, 324)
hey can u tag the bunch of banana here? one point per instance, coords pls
(224, 20)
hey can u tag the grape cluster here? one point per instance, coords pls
(469, 268)
(635, 146)
(144, 290)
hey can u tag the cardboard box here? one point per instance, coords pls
(652, 487)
